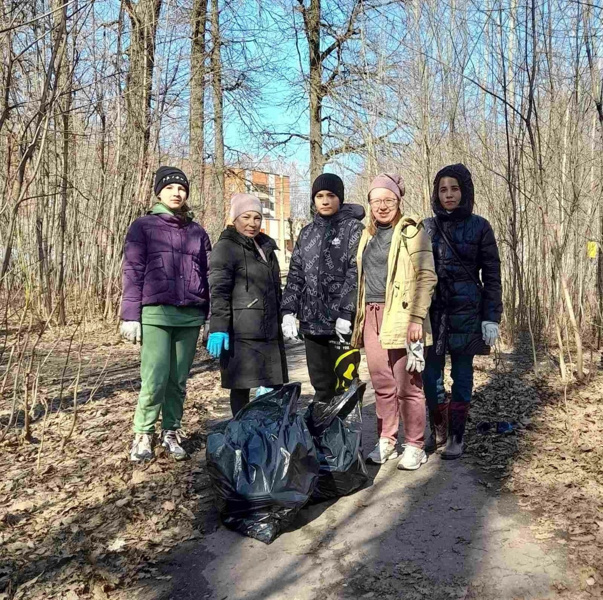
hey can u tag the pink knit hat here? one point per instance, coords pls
(390, 181)
(242, 203)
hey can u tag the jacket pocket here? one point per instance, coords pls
(195, 286)
(401, 295)
(248, 323)
(155, 278)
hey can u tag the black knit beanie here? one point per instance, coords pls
(329, 182)
(166, 176)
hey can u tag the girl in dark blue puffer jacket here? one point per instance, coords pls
(467, 304)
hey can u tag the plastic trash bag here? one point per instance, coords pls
(336, 427)
(264, 465)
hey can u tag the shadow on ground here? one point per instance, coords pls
(446, 531)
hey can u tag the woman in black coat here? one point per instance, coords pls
(245, 289)
(467, 305)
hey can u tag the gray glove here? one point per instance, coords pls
(489, 332)
(131, 331)
(415, 360)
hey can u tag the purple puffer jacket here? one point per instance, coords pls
(165, 262)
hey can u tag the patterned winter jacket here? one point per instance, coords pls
(322, 280)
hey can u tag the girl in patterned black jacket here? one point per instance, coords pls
(322, 283)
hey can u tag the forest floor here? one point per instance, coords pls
(519, 516)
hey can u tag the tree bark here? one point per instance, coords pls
(144, 16)
(316, 90)
(197, 104)
(215, 223)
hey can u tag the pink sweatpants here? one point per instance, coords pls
(397, 392)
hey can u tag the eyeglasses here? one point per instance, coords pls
(389, 202)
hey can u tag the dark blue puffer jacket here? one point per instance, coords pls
(459, 306)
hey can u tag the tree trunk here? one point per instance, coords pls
(197, 105)
(316, 91)
(216, 223)
(144, 16)
(63, 117)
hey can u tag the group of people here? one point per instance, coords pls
(407, 289)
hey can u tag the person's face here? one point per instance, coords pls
(173, 196)
(449, 192)
(384, 205)
(327, 203)
(249, 223)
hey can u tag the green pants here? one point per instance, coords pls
(166, 359)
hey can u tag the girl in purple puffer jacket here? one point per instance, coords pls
(165, 304)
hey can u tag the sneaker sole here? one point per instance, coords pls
(139, 459)
(392, 456)
(175, 456)
(403, 468)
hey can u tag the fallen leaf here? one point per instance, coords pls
(116, 545)
(169, 505)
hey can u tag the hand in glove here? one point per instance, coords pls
(289, 327)
(415, 357)
(343, 327)
(131, 331)
(489, 332)
(205, 332)
(216, 343)
(263, 390)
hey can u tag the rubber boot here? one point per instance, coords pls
(438, 427)
(457, 418)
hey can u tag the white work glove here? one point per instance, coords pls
(415, 357)
(289, 327)
(131, 331)
(489, 332)
(342, 327)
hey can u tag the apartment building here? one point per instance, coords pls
(275, 194)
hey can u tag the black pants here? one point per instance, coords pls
(239, 398)
(322, 352)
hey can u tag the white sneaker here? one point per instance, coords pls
(171, 442)
(384, 450)
(142, 448)
(412, 458)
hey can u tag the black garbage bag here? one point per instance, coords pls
(264, 465)
(336, 427)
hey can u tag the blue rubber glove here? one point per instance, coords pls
(217, 342)
(263, 390)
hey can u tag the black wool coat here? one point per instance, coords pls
(459, 306)
(245, 295)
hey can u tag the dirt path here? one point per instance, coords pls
(447, 531)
